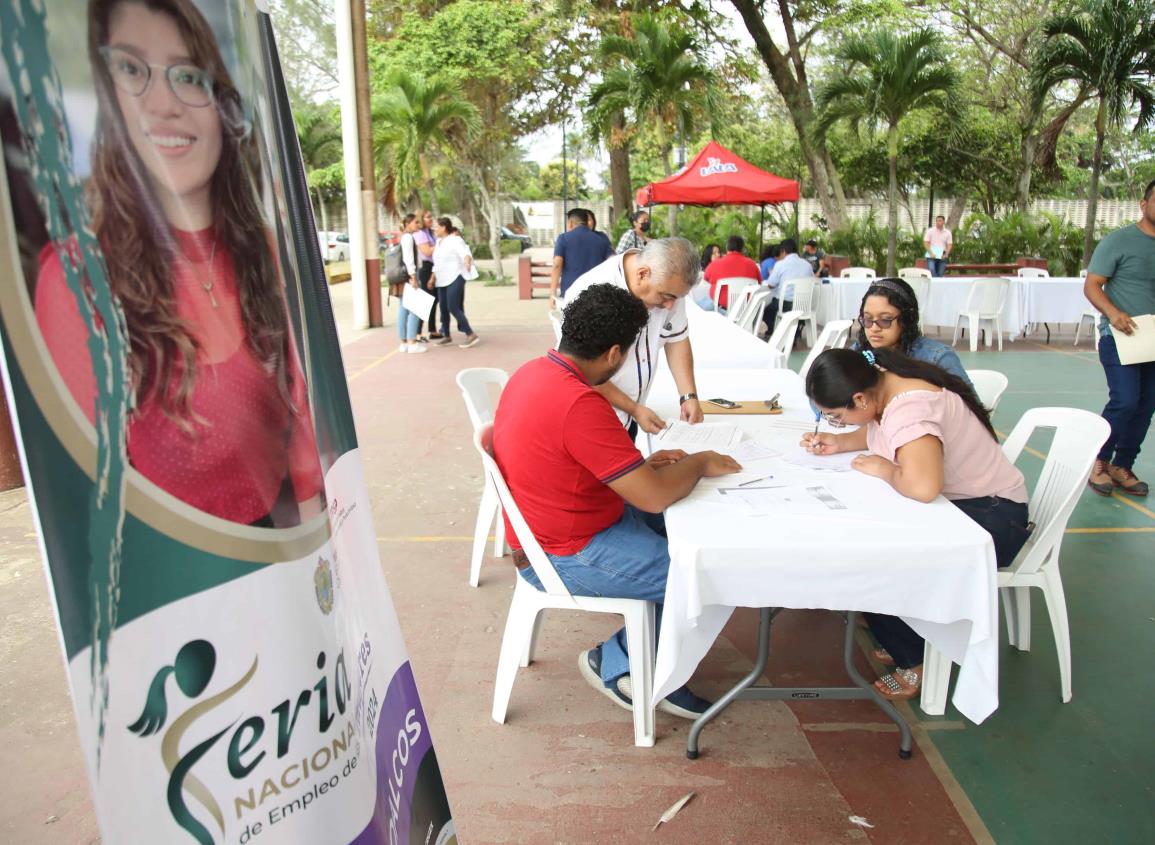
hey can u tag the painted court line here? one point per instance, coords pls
(368, 367)
(1082, 356)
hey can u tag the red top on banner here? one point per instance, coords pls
(718, 177)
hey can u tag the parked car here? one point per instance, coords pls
(507, 234)
(334, 246)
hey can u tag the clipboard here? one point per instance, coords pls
(749, 406)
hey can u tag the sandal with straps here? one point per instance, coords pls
(899, 685)
(883, 656)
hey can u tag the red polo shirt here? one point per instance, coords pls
(730, 266)
(559, 444)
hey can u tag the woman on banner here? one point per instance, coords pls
(221, 418)
(452, 264)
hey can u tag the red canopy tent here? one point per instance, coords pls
(718, 177)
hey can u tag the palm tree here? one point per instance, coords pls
(1106, 47)
(411, 119)
(658, 76)
(320, 141)
(883, 77)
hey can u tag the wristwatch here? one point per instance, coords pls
(686, 397)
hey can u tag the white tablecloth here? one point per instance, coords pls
(1030, 300)
(719, 343)
(927, 563)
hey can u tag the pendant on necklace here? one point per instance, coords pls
(209, 290)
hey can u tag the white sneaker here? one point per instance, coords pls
(417, 349)
(404, 347)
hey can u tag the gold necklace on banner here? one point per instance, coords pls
(211, 283)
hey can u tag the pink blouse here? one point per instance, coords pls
(245, 442)
(973, 464)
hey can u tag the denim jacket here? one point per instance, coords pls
(939, 354)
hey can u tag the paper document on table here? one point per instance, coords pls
(814, 500)
(749, 451)
(1139, 346)
(821, 463)
(699, 437)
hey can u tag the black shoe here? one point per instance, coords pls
(590, 665)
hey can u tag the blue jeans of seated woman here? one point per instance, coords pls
(407, 323)
(452, 301)
(1130, 404)
(628, 560)
(1006, 522)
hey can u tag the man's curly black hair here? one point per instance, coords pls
(601, 317)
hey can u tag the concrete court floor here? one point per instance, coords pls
(563, 769)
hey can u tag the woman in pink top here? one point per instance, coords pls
(221, 419)
(929, 436)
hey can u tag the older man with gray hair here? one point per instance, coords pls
(660, 275)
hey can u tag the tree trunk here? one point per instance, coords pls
(796, 96)
(957, 208)
(620, 186)
(892, 202)
(428, 179)
(324, 213)
(1029, 148)
(1093, 191)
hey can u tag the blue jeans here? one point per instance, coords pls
(1130, 404)
(937, 267)
(628, 560)
(1006, 522)
(407, 322)
(452, 301)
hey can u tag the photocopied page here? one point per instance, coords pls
(840, 462)
(700, 437)
(801, 500)
(1139, 346)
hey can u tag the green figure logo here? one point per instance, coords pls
(193, 669)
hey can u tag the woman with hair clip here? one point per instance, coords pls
(929, 435)
(635, 237)
(888, 319)
(221, 419)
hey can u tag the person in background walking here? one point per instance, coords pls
(938, 243)
(452, 261)
(425, 241)
(407, 321)
(576, 251)
(635, 237)
(1121, 282)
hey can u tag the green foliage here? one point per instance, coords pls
(984, 239)
(864, 243)
(508, 248)
(330, 181)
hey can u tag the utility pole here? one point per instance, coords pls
(365, 150)
(352, 160)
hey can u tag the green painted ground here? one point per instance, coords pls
(1039, 771)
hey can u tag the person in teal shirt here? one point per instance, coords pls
(1121, 283)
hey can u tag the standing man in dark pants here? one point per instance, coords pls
(425, 241)
(1121, 282)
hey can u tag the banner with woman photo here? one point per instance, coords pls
(237, 669)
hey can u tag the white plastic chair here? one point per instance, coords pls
(1089, 315)
(985, 301)
(751, 315)
(1033, 273)
(805, 295)
(857, 273)
(1083, 273)
(834, 336)
(521, 627)
(734, 284)
(990, 385)
(1078, 437)
(781, 342)
(739, 302)
(556, 316)
(478, 385)
(909, 273)
(921, 287)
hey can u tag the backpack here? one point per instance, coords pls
(395, 272)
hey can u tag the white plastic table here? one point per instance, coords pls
(927, 563)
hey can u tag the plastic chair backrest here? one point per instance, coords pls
(1078, 438)
(733, 284)
(476, 386)
(989, 386)
(1083, 273)
(834, 335)
(805, 292)
(909, 273)
(556, 316)
(987, 296)
(740, 302)
(782, 340)
(1033, 273)
(858, 273)
(483, 441)
(921, 287)
(752, 314)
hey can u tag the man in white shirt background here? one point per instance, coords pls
(661, 275)
(789, 266)
(938, 243)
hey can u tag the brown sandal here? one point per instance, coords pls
(900, 685)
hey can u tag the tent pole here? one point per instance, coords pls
(761, 226)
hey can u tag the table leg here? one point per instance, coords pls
(746, 691)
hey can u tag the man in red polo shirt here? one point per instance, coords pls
(590, 499)
(733, 265)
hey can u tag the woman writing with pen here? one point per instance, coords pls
(929, 436)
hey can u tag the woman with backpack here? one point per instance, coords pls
(408, 322)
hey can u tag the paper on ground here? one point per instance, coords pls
(700, 437)
(418, 301)
(1138, 347)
